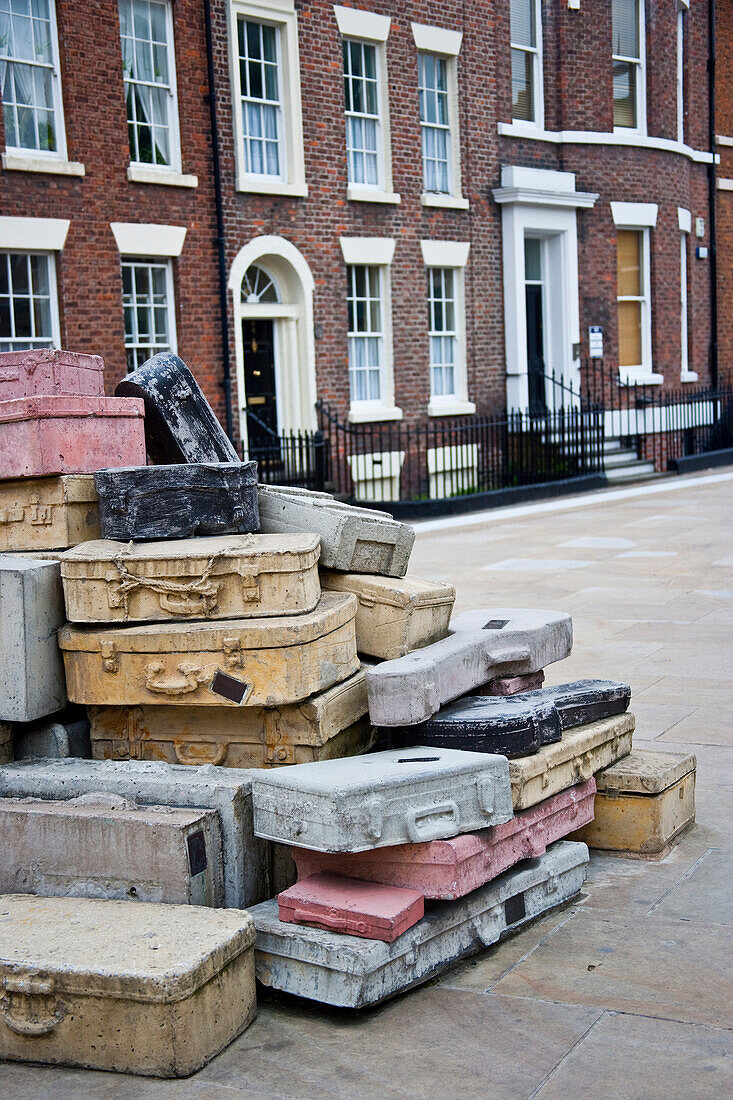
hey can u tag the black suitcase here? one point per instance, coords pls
(177, 502)
(583, 701)
(180, 425)
(508, 726)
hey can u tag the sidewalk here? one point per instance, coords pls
(628, 993)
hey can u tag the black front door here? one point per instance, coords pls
(259, 387)
(535, 350)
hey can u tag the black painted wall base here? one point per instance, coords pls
(690, 463)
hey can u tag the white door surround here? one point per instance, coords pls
(542, 204)
(292, 316)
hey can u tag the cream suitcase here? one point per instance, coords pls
(48, 513)
(221, 577)
(332, 724)
(151, 989)
(394, 617)
(644, 803)
(582, 752)
(252, 662)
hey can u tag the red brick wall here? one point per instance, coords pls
(724, 205)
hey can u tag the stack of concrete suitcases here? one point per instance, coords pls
(276, 707)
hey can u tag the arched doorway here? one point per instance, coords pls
(272, 291)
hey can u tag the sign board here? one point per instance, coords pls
(595, 342)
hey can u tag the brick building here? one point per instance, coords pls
(724, 186)
(425, 207)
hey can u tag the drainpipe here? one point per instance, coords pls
(220, 243)
(712, 200)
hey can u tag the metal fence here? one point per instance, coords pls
(292, 458)
(456, 457)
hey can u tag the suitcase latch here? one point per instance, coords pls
(250, 587)
(29, 1006)
(40, 514)
(11, 515)
(276, 750)
(110, 662)
(233, 655)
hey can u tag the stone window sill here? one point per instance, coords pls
(367, 194)
(144, 173)
(445, 202)
(689, 376)
(367, 413)
(267, 186)
(452, 407)
(22, 162)
(629, 378)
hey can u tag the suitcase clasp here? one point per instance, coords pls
(233, 655)
(110, 662)
(485, 789)
(374, 818)
(29, 1007)
(12, 515)
(276, 751)
(250, 587)
(40, 514)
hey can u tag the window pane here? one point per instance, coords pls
(523, 23)
(146, 68)
(260, 92)
(629, 334)
(624, 93)
(147, 310)
(628, 263)
(523, 85)
(532, 259)
(626, 28)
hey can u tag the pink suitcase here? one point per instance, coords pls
(41, 436)
(366, 909)
(513, 685)
(45, 371)
(448, 869)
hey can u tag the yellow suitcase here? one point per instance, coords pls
(48, 513)
(239, 662)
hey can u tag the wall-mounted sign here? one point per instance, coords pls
(595, 342)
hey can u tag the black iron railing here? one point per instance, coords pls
(290, 458)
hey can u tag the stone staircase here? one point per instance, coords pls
(621, 464)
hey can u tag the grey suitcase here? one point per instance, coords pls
(342, 970)
(412, 689)
(394, 797)
(32, 683)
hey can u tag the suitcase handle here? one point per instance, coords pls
(187, 603)
(419, 826)
(200, 752)
(184, 680)
(304, 916)
(29, 1007)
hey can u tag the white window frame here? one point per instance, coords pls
(376, 252)
(55, 336)
(167, 264)
(445, 44)
(640, 71)
(373, 30)
(281, 15)
(641, 372)
(451, 255)
(684, 220)
(142, 171)
(38, 235)
(682, 8)
(538, 98)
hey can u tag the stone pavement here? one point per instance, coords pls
(628, 993)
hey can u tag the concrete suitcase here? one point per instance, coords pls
(32, 681)
(481, 723)
(644, 803)
(413, 688)
(176, 502)
(384, 798)
(582, 701)
(226, 790)
(448, 869)
(156, 990)
(394, 617)
(252, 662)
(366, 909)
(105, 846)
(65, 734)
(513, 685)
(583, 752)
(332, 724)
(223, 577)
(180, 425)
(46, 371)
(6, 743)
(40, 436)
(353, 540)
(342, 970)
(48, 513)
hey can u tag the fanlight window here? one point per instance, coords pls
(258, 286)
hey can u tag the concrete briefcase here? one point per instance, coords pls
(156, 990)
(394, 617)
(366, 909)
(238, 662)
(343, 970)
(32, 681)
(180, 425)
(48, 371)
(644, 802)
(176, 502)
(583, 752)
(40, 436)
(218, 577)
(105, 846)
(383, 798)
(448, 869)
(48, 513)
(331, 724)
